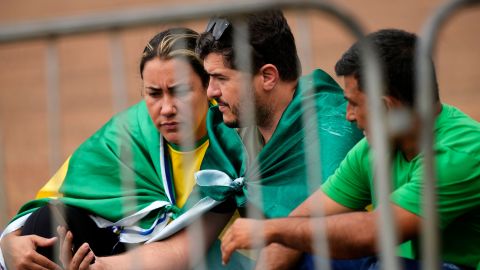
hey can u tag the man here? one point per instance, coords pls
(352, 233)
(298, 124)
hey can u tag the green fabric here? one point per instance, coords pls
(457, 154)
(313, 125)
(116, 172)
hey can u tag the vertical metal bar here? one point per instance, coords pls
(196, 239)
(312, 136)
(53, 115)
(119, 88)
(3, 193)
(248, 117)
(53, 105)
(119, 103)
(424, 96)
(381, 157)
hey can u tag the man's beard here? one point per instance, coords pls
(263, 115)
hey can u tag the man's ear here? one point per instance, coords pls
(391, 102)
(269, 75)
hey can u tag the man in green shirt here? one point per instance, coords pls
(352, 232)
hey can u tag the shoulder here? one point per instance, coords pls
(456, 132)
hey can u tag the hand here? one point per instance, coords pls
(244, 234)
(20, 253)
(82, 259)
(276, 256)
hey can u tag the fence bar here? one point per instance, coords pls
(3, 193)
(119, 86)
(53, 105)
(155, 15)
(378, 139)
(129, 18)
(320, 248)
(430, 234)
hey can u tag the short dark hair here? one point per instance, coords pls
(396, 50)
(175, 43)
(271, 41)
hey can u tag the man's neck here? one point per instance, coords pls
(279, 99)
(409, 145)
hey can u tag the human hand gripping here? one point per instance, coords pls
(82, 259)
(20, 252)
(245, 234)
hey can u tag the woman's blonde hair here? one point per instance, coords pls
(175, 43)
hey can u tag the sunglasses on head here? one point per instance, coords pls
(217, 27)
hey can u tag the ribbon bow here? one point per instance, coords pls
(219, 186)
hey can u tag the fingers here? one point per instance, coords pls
(228, 246)
(34, 260)
(82, 258)
(242, 234)
(42, 262)
(42, 241)
(66, 240)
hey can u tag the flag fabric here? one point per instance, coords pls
(311, 139)
(120, 176)
(279, 179)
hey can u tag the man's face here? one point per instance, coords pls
(357, 107)
(225, 87)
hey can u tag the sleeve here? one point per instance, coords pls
(350, 185)
(458, 186)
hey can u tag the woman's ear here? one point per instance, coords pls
(270, 76)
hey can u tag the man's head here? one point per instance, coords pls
(273, 58)
(396, 50)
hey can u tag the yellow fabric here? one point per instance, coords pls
(184, 165)
(52, 187)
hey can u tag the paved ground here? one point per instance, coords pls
(85, 74)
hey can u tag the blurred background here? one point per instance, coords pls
(86, 90)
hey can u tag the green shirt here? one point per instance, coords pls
(457, 154)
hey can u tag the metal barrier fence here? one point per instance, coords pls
(118, 20)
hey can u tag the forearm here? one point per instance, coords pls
(349, 235)
(276, 256)
(180, 251)
(157, 255)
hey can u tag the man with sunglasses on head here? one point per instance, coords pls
(291, 127)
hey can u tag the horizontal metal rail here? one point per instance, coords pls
(135, 17)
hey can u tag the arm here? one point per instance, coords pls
(171, 253)
(20, 251)
(349, 235)
(276, 256)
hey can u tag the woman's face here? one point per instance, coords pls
(176, 99)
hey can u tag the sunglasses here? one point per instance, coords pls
(217, 27)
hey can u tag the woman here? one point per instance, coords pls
(127, 181)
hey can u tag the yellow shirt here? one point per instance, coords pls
(184, 165)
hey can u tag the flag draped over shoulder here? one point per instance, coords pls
(117, 172)
(310, 141)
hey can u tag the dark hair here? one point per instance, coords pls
(270, 38)
(396, 50)
(175, 43)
